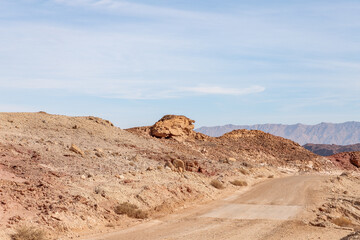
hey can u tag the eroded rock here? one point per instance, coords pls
(76, 150)
(173, 126)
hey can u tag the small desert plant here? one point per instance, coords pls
(239, 183)
(28, 233)
(100, 190)
(243, 171)
(110, 225)
(217, 184)
(131, 210)
(342, 222)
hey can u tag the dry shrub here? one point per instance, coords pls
(239, 183)
(100, 190)
(131, 210)
(243, 171)
(110, 225)
(217, 184)
(342, 222)
(165, 207)
(28, 233)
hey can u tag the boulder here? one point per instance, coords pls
(179, 164)
(346, 160)
(355, 159)
(173, 126)
(169, 165)
(76, 150)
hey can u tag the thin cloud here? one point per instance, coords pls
(334, 64)
(148, 93)
(130, 8)
(127, 89)
(216, 90)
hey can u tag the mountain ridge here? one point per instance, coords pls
(331, 149)
(323, 133)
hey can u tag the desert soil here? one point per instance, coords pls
(273, 209)
(66, 176)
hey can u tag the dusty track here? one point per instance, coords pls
(273, 209)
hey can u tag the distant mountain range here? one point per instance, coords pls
(331, 149)
(324, 133)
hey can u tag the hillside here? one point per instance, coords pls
(323, 133)
(347, 160)
(69, 175)
(247, 146)
(331, 149)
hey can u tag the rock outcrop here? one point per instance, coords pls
(347, 160)
(176, 127)
(76, 150)
(173, 126)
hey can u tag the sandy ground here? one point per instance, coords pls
(274, 209)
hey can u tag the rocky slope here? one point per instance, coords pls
(246, 146)
(346, 160)
(272, 149)
(331, 149)
(323, 133)
(68, 175)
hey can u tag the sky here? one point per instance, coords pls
(215, 61)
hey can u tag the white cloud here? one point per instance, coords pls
(127, 89)
(167, 92)
(168, 56)
(224, 91)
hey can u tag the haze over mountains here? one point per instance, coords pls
(322, 133)
(328, 150)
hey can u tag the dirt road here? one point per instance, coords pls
(274, 209)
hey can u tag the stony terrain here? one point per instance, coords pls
(331, 149)
(68, 175)
(245, 146)
(346, 160)
(322, 133)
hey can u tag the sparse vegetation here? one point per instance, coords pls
(28, 233)
(217, 184)
(110, 225)
(99, 190)
(239, 183)
(131, 210)
(243, 171)
(342, 222)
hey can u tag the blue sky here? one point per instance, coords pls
(215, 61)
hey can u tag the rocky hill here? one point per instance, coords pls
(347, 160)
(248, 146)
(72, 175)
(323, 133)
(331, 149)
(272, 149)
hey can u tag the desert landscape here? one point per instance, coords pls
(179, 120)
(84, 178)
